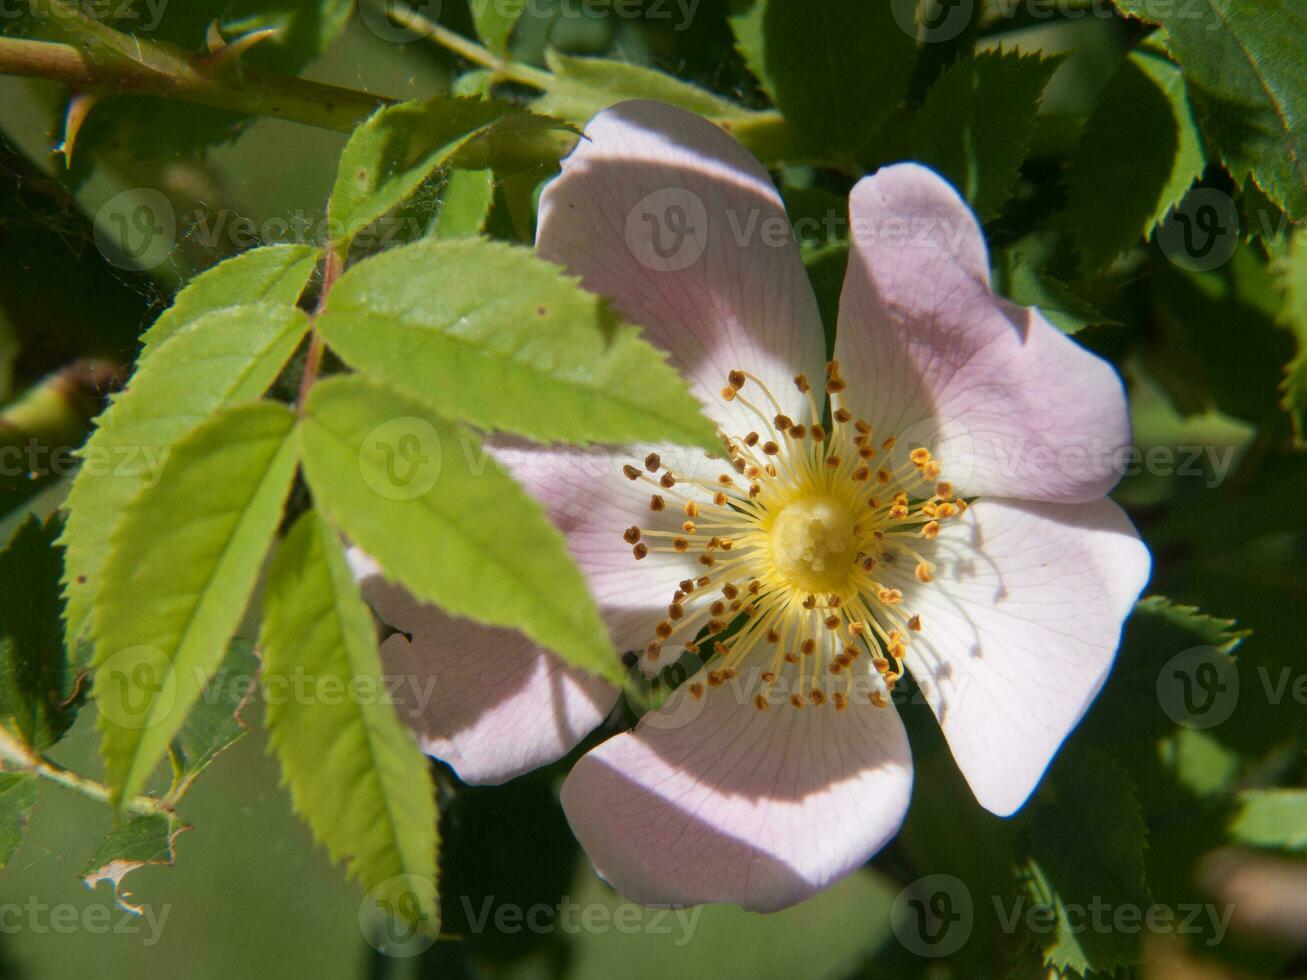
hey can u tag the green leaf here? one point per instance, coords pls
(1293, 281)
(38, 692)
(976, 123)
(17, 797)
(222, 358)
(465, 202)
(184, 560)
(582, 87)
(143, 840)
(1022, 283)
(495, 20)
(1139, 154)
(1157, 632)
(354, 769)
(1087, 847)
(486, 331)
(1242, 60)
(215, 724)
(273, 273)
(396, 150)
(1272, 818)
(420, 496)
(836, 69)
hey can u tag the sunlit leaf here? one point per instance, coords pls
(354, 769)
(183, 562)
(487, 332)
(272, 273)
(397, 149)
(222, 358)
(422, 497)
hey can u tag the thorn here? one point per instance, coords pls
(79, 107)
(213, 38)
(225, 53)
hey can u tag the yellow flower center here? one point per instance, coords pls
(792, 542)
(814, 543)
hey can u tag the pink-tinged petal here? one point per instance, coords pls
(676, 223)
(1011, 405)
(712, 800)
(1019, 631)
(589, 498)
(487, 701)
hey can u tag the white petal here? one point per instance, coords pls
(677, 224)
(1012, 407)
(716, 801)
(1019, 631)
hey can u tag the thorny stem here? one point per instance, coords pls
(171, 76)
(114, 63)
(19, 756)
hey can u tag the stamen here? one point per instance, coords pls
(791, 552)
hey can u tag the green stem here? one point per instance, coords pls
(463, 47)
(16, 754)
(161, 72)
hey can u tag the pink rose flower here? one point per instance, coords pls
(932, 500)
